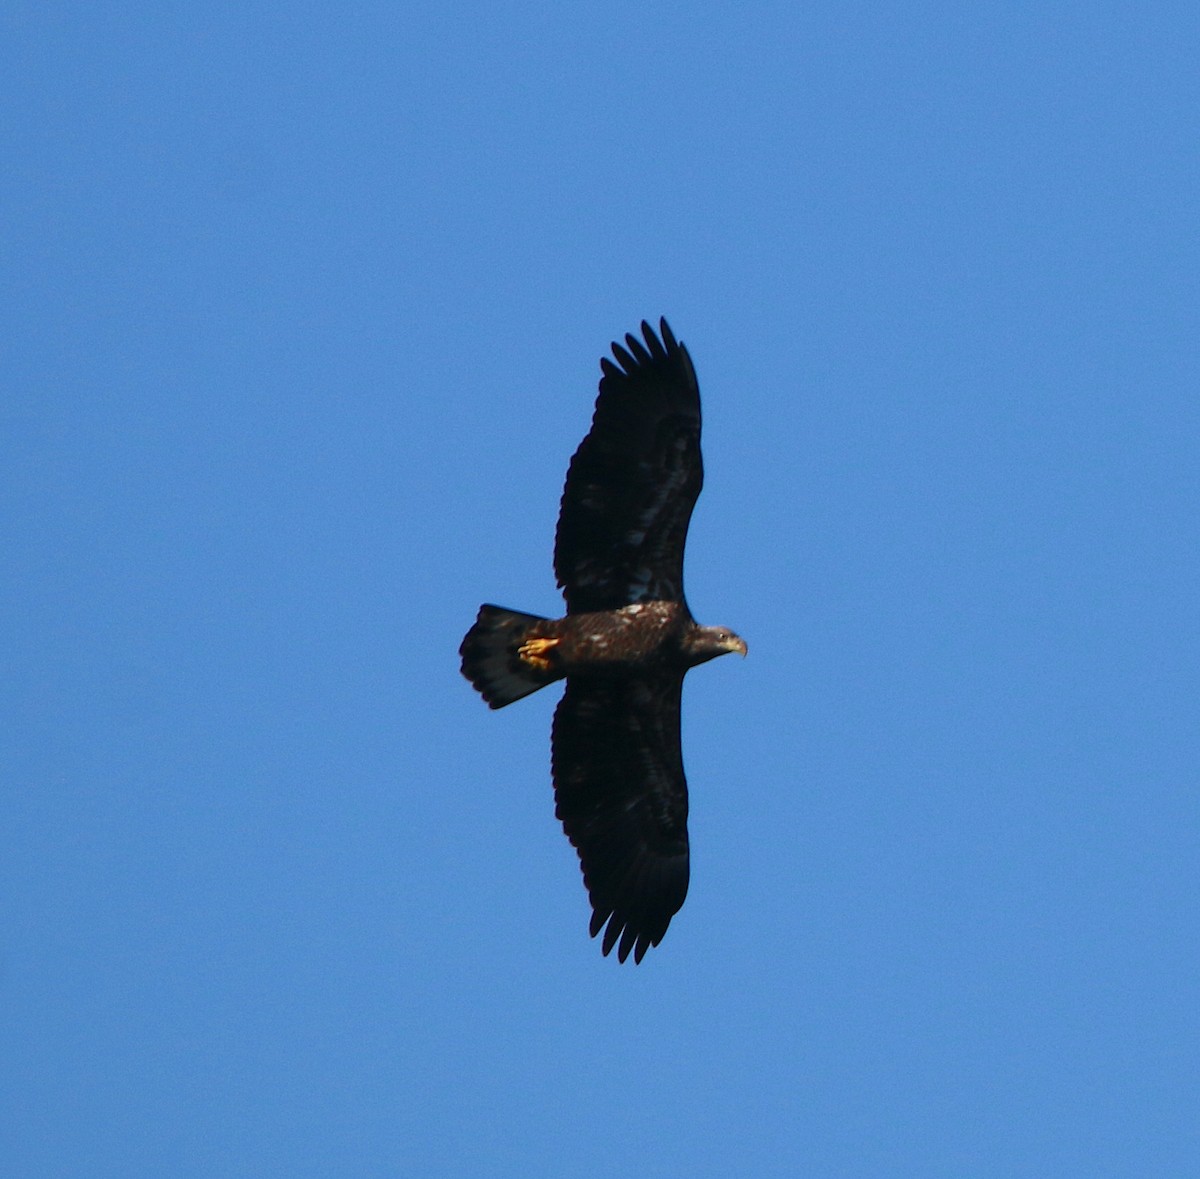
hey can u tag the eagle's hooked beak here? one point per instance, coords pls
(736, 644)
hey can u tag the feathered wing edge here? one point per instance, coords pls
(622, 798)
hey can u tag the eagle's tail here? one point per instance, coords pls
(491, 659)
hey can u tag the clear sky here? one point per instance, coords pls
(302, 312)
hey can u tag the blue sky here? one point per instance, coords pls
(303, 311)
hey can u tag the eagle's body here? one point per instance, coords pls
(624, 645)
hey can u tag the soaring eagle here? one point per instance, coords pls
(624, 645)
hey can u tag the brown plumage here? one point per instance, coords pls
(624, 645)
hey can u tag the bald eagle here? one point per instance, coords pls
(624, 645)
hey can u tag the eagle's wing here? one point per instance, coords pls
(633, 481)
(622, 799)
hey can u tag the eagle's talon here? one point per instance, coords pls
(533, 652)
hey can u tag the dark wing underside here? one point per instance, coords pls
(633, 481)
(622, 799)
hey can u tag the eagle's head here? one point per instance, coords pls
(703, 643)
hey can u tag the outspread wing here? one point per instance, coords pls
(622, 799)
(633, 481)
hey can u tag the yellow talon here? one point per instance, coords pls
(533, 651)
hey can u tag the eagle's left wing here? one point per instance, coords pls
(633, 481)
(622, 799)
